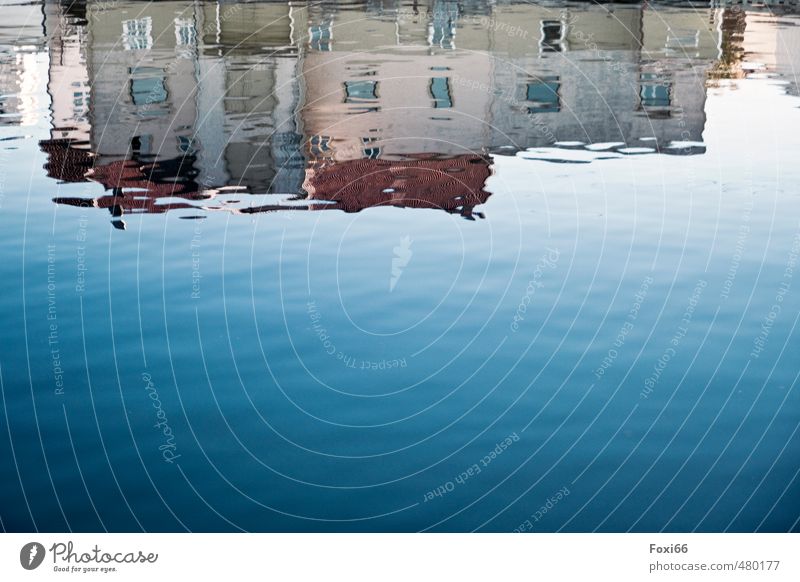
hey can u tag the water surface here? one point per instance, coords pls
(395, 266)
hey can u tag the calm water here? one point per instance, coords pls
(392, 266)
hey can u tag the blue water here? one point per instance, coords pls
(602, 339)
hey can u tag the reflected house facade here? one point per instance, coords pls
(253, 51)
(22, 36)
(637, 78)
(533, 77)
(454, 184)
(440, 82)
(355, 106)
(382, 126)
(761, 36)
(159, 91)
(184, 100)
(69, 147)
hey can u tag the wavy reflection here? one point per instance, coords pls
(352, 106)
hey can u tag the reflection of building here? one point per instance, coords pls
(766, 37)
(770, 6)
(257, 92)
(173, 112)
(393, 104)
(453, 184)
(68, 83)
(157, 88)
(591, 78)
(284, 99)
(757, 36)
(732, 26)
(20, 39)
(139, 188)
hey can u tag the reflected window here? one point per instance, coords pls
(371, 151)
(319, 145)
(186, 145)
(361, 91)
(654, 91)
(440, 91)
(542, 93)
(552, 36)
(442, 31)
(679, 43)
(185, 33)
(320, 36)
(148, 86)
(141, 145)
(137, 34)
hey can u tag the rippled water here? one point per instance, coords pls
(554, 287)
